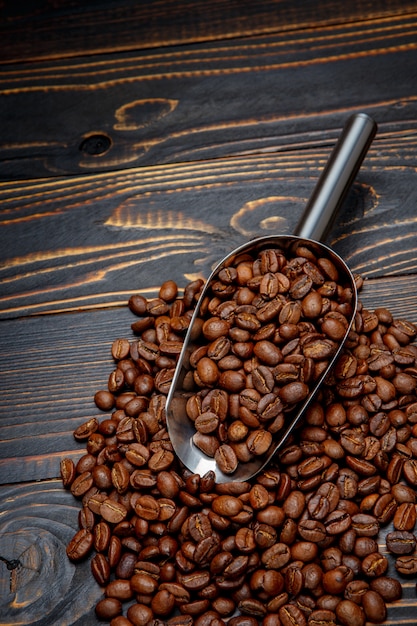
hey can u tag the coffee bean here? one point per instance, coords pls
(350, 614)
(226, 459)
(80, 545)
(289, 614)
(276, 556)
(389, 588)
(374, 564)
(406, 565)
(322, 618)
(108, 608)
(227, 505)
(405, 517)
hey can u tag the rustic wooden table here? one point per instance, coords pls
(141, 142)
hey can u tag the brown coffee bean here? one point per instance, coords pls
(67, 472)
(290, 614)
(80, 545)
(406, 565)
(120, 589)
(100, 568)
(335, 579)
(293, 505)
(227, 505)
(365, 525)
(259, 441)
(304, 551)
(337, 522)
(385, 508)
(322, 617)
(374, 607)
(108, 608)
(350, 614)
(294, 392)
(102, 534)
(374, 564)
(112, 511)
(276, 556)
(226, 459)
(389, 588)
(405, 517)
(312, 530)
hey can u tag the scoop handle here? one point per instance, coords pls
(336, 178)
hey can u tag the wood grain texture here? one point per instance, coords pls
(91, 240)
(38, 584)
(183, 104)
(67, 29)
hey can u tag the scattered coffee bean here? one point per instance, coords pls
(299, 543)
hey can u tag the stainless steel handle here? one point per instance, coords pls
(336, 178)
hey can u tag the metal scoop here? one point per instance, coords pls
(316, 221)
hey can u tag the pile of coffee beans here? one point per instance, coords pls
(267, 329)
(297, 545)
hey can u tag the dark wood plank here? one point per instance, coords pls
(183, 104)
(43, 588)
(61, 29)
(90, 241)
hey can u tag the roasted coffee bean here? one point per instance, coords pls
(113, 511)
(80, 545)
(405, 517)
(322, 618)
(374, 564)
(312, 530)
(374, 607)
(389, 588)
(406, 565)
(120, 589)
(355, 590)
(401, 542)
(100, 568)
(276, 556)
(108, 608)
(335, 579)
(289, 614)
(350, 614)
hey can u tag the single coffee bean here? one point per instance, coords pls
(322, 617)
(112, 511)
(389, 588)
(100, 568)
(290, 614)
(374, 564)
(226, 459)
(276, 556)
(405, 517)
(406, 565)
(401, 542)
(226, 505)
(374, 607)
(350, 614)
(80, 545)
(108, 608)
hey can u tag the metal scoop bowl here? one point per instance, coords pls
(315, 223)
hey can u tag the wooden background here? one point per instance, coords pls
(141, 141)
